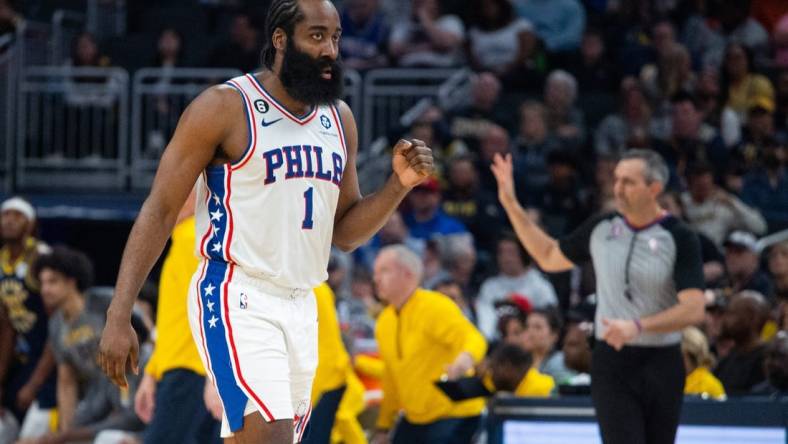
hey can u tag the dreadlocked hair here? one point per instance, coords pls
(282, 14)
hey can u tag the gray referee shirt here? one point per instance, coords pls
(639, 271)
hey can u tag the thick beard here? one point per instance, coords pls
(301, 77)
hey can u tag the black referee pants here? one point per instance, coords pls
(637, 393)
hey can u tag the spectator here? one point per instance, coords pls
(169, 52)
(10, 19)
(394, 231)
(629, 127)
(698, 361)
(778, 267)
(766, 187)
(741, 87)
(512, 314)
(577, 355)
(713, 260)
(687, 140)
(742, 321)
(459, 260)
(591, 66)
(502, 43)
(511, 369)
(428, 38)
(494, 140)
(543, 328)
(564, 119)
(775, 365)
(242, 51)
(715, 112)
(87, 401)
(426, 219)
(715, 212)
(365, 34)
(470, 122)
(671, 74)
(27, 380)
(533, 143)
(516, 274)
(436, 338)
(743, 264)
(85, 52)
(559, 23)
(759, 135)
(477, 208)
(564, 202)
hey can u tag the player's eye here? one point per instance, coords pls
(317, 36)
(335, 37)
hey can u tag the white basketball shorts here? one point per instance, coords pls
(258, 342)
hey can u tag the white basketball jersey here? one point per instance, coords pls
(272, 211)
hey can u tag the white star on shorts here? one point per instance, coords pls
(217, 247)
(209, 289)
(210, 306)
(212, 322)
(216, 215)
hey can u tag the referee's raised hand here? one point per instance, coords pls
(503, 171)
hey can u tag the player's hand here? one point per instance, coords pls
(412, 162)
(212, 401)
(619, 332)
(460, 366)
(145, 399)
(118, 351)
(503, 171)
(25, 396)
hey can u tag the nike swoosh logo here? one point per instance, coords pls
(264, 123)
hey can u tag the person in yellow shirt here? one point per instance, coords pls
(337, 394)
(510, 369)
(698, 360)
(170, 399)
(740, 85)
(422, 335)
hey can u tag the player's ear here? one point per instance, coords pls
(279, 39)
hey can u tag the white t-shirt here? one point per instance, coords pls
(498, 48)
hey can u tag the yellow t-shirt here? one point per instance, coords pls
(741, 97)
(416, 344)
(701, 381)
(535, 384)
(175, 346)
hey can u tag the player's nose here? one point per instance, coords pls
(330, 49)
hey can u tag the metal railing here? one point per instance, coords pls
(72, 121)
(388, 93)
(9, 53)
(159, 96)
(94, 128)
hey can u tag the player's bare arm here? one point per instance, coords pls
(359, 218)
(201, 138)
(543, 248)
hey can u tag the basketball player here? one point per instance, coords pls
(274, 157)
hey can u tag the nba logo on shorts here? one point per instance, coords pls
(244, 301)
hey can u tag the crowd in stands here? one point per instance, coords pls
(565, 87)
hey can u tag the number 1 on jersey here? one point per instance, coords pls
(307, 223)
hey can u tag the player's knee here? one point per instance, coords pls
(257, 431)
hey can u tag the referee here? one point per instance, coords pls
(649, 282)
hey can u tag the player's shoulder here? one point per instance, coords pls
(345, 113)
(218, 97)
